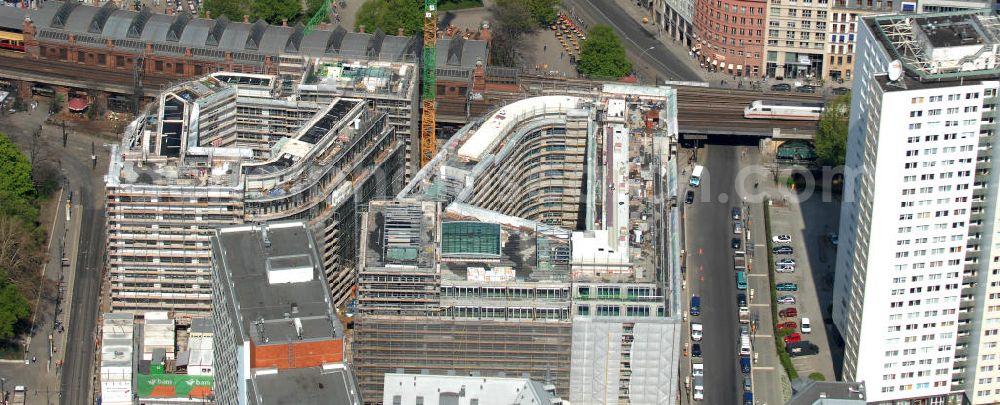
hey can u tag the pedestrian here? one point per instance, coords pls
(561, 54)
(545, 48)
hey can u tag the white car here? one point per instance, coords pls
(697, 369)
(806, 326)
(784, 238)
(696, 331)
(784, 269)
(786, 262)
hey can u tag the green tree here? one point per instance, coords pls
(511, 20)
(312, 6)
(15, 172)
(13, 309)
(234, 10)
(273, 11)
(390, 15)
(831, 138)
(602, 54)
(543, 11)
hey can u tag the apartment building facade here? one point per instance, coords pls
(730, 35)
(908, 267)
(168, 190)
(796, 38)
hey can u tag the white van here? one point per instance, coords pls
(806, 325)
(745, 345)
(696, 175)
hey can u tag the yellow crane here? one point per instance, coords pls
(428, 117)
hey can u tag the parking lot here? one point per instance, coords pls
(810, 223)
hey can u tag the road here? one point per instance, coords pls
(635, 38)
(708, 232)
(78, 364)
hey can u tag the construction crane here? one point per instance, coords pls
(317, 18)
(428, 117)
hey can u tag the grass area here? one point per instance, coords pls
(786, 360)
(817, 376)
(11, 351)
(459, 5)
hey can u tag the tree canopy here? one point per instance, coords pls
(831, 138)
(511, 20)
(542, 11)
(602, 54)
(13, 308)
(20, 244)
(390, 15)
(15, 172)
(272, 11)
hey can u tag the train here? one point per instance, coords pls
(774, 110)
(11, 41)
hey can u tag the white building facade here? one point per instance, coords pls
(912, 210)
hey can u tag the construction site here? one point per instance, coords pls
(187, 166)
(535, 244)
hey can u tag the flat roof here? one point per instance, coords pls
(306, 386)
(524, 255)
(401, 233)
(438, 389)
(470, 238)
(268, 312)
(809, 392)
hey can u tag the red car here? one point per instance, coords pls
(789, 312)
(795, 337)
(788, 325)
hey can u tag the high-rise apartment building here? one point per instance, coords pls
(917, 255)
(277, 337)
(842, 28)
(184, 169)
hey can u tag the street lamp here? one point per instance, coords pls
(643, 54)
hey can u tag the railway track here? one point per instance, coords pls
(76, 75)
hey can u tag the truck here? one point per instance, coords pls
(696, 175)
(739, 260)
(20, 394)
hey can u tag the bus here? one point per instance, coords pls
(696, 175)
(741, 280)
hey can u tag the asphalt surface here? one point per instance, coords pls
(636, 39)
(78, 367)
(708, 228)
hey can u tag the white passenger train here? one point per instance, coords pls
(783, 110)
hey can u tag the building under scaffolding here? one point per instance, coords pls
(532, 245)
(175, 178)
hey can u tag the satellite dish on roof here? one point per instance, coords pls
(895, 70)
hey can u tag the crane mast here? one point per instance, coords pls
(428, 117)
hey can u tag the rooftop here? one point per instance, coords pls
(273, 311)
(447, 389)
(809, 392)
(305, 386)
(367, 77)
(941, 46)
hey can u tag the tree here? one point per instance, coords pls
(511, 20)
(390, 15)
(542, 11)
(55, 107)
(15, 172)
(602, 54)
(13, 309)
(234, 10)
(831, 138)
(273, 11)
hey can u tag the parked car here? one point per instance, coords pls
(786, 299)
(747, 383)
(689, 197)
(832, 237)
(784, 269)
(696, 331)
(695, 305)
(783, 238)
(783, 250)
(795, 337)
(736, 243)
(781, 87)
(736, 213)
(696, 350)
(737, 228)
(841, 91)
(806, 325)
(787, 287)
(745, 364)
(786, 262)
(788, 312)
(741, 300)
(787, 325)
(806, 89)
(801, 348)
(747, 398)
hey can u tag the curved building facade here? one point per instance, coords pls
(730, 35)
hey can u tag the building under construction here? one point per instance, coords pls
(532, 246)
(183, 169)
